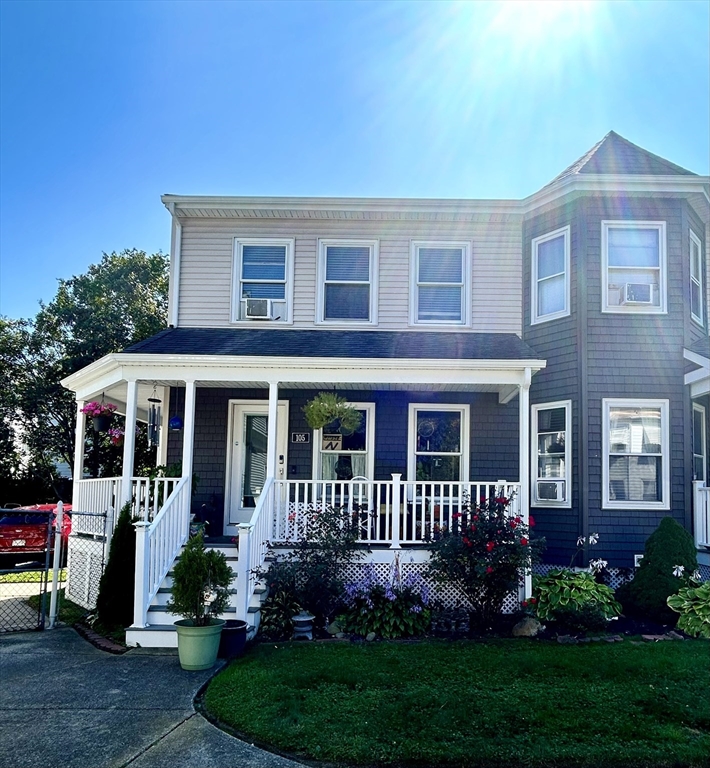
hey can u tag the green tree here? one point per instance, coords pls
(119, 301)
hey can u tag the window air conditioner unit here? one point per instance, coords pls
(259, 309)
(550, 490)
(637, 293)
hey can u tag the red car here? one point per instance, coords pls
(23, 531)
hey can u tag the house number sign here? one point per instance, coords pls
(300, 437)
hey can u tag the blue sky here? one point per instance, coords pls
(106, 105)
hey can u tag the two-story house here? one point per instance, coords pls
(554, 349)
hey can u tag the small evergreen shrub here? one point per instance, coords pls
(391, 609)
(574, 599)
(693, 605)
(201, 580)
(114, 604)
(669, 546)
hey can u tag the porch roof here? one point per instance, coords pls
(255, 342)
(409, 360)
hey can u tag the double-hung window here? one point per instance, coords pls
(634, 266)
(343, 456)
(696, 279)
(551, 443)
(550, 276)
(699, 443)
(440, 283)
(348, 281)
(263, 284)
(636, 472)
(438, 443)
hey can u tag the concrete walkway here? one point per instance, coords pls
(65, 704)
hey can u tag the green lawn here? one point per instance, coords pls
(499, 703)
(30, 577)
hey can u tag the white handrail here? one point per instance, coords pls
(254, 539)
(157, 545)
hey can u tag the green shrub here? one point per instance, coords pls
(201, 580)
(693, 605)
(391, 609)
(313, 572)
(574, 599)
(482, 555)
(669, 546)
(114, 604)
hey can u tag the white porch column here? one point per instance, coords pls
(129, 442)
(188, 434)
(271, 447)
(78, 471)
(524, 461)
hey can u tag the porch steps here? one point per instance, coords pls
(160, 632)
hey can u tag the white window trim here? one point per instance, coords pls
(662, 308)
(607, 405)
(695, 240)
(236, 318)
(534, 501)
(465, 411)
(701, 409)
(374, 246)
(534, 317)
(414, 283)
(369, 408)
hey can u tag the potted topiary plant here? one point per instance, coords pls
(200, 592)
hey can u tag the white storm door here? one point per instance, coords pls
(247, 457)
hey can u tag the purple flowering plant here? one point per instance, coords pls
(391, 608)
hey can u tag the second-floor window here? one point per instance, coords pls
(550, 276)
(348, 281)
(634, 266)
(440, 283)
(263, 280)
(696, 279)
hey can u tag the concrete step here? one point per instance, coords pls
(161, 636)
(164, 594)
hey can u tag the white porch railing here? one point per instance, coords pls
(254, 538)
(157, 545)
(97, 496)
(701, 507)
(387, 511)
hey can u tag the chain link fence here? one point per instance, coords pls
(26, 545)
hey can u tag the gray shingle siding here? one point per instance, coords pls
(626, 356)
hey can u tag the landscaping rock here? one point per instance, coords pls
(371, 636)
(675, 636)
(527, 627)
(340, 635)
(567, 640)
(654, 638)
(334, 628)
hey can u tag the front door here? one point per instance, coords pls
(247, 453)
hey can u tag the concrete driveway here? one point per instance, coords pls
(65, 704)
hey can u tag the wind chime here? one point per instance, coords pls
(153, 418)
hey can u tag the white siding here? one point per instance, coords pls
(496, 248)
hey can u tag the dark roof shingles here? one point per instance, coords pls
(373, 344)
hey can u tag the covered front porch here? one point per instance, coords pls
(249, 464)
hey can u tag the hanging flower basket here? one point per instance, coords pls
(327, 407)
(100, 413)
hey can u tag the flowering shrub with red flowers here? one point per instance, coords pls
(482, 555)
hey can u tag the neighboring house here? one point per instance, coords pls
(554, 349)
